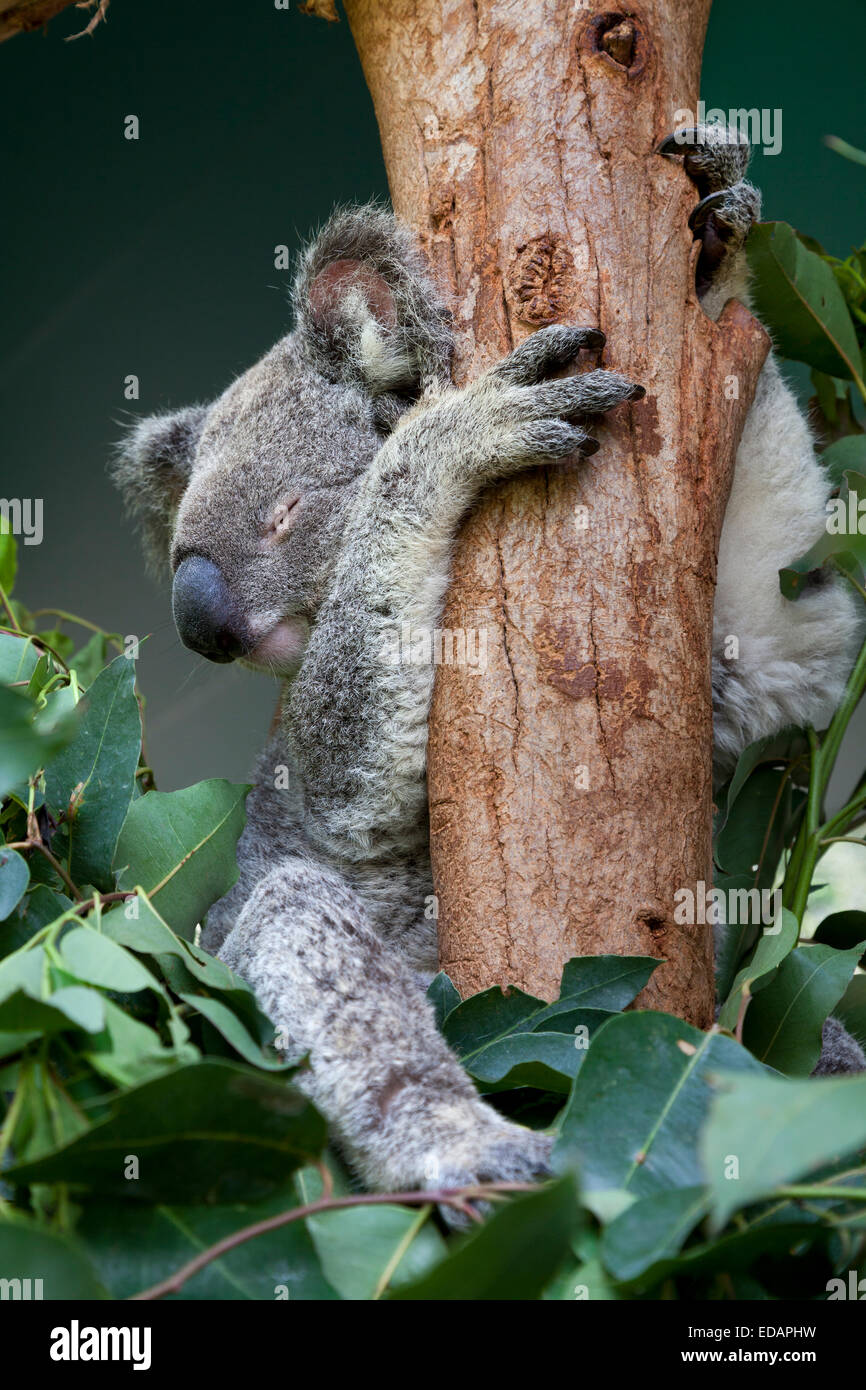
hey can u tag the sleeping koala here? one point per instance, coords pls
(308, 513)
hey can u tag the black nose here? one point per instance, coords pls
(205, 614)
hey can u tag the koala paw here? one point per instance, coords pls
(496, 1150)
(716, 159)
(533, 419)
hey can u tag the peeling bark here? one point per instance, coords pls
(570, 785)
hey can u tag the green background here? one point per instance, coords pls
(156, 257)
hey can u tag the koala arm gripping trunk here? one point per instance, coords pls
(361, 743)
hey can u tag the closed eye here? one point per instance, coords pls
(282, 519)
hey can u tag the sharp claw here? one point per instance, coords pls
(701, 212)
(595, 338)
(672, 144)
(637, 393)
(589, 447)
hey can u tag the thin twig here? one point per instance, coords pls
(456, 1197)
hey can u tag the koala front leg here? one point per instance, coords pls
(360, 740)
(398, 1102)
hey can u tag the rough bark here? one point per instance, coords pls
(570, 785)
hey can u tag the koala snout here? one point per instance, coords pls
(205, 614)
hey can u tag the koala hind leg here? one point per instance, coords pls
(398, 1102)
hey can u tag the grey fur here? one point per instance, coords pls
(328, 483)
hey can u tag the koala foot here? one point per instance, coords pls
(716, 160)
(840, 1052)
(536, 419)
(495, 1151)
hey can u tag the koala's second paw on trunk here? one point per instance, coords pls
(715, 160)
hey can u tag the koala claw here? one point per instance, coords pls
(701, 211)
(514, 1154)
(713, 156)
(546, 351)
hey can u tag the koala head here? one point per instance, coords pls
(246, 499)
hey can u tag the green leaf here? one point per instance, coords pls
(784, 1021)
(71, 1007)
(443, 996)
(588, 983)
(365, 1251)
(18, 658)
(783, 1230)
(639, 1100)
(8, 557)
(748, 838)
(230, 1027)
(842, 930)
(851, 1008)
(736, 935)
(796, 295)
(28, 1251)
(845, 454)
(847, 151)
(842, 544)
(789, 744)
(604, 982)
(23, 747)
(90, 659)
(547, 1061)
(128, 1052)
(773, 945)
(97, 960)
(512, 1256)
(213, 1131)
(99, 769)
(181, 848)
(580, 1281)
(766, 1131)
(14, 878)
(133, 1246)
(654, 1228)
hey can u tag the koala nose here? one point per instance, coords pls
(205, 614)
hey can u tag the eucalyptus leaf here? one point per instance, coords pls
(14, 878)
(796, 295)
(635, 1112)
(95, 774)
(765, 1131)
(181, 848)
(30, 1252)
(514, 1255)
(366, 1251)
(772, 946)
(784, 1021)
(212, 1131)
(133, 1246)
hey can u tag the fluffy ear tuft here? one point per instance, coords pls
(367, 310)
(151, 467)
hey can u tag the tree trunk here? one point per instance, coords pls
(570, 784)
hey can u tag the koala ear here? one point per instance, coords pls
(152, 467)
(367, 311)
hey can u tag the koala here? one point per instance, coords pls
(311, 510)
